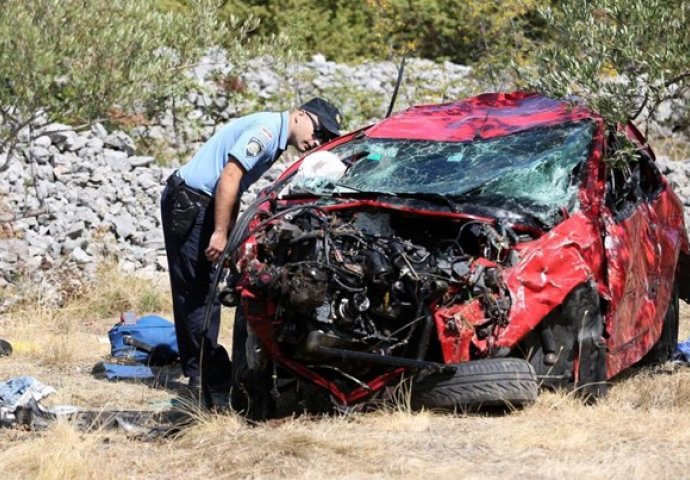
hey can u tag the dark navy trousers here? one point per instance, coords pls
(191, 275)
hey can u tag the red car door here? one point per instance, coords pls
(641, 245)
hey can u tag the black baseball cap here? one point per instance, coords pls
(327, 113)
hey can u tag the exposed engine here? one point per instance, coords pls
(369, 281)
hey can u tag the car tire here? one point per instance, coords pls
(492, 382)
(664, 348)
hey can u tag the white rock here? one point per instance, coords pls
(127, 266)
(74, 230)
(162, 262)
(43, 141)
(136, 161)
(58, 132)
(99, 131)
(96, 143)
(77, 142)
(116, 160)
(39, 154)
(8, 252)
(60, 171)
(81, 256)
(120, 141)
(124, 225)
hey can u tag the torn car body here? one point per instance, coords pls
(493, 227)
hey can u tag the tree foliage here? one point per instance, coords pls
(463, 31)
(482, 33)
(624, 57)
(76, 59)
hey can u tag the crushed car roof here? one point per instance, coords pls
(484, 116)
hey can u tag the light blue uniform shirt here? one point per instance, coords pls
(255, 140)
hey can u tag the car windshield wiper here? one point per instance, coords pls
(352, 189)
(430, 196)
(300, 193)
(482, 206)
(328, 190)
(469, 192)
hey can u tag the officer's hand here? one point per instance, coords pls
(216, 246)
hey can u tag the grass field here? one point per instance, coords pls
(640, 430)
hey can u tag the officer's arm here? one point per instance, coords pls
(226, 198)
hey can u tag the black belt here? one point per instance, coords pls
(176, 182)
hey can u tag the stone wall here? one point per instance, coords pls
(71, 199)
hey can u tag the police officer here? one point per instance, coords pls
(199, 206)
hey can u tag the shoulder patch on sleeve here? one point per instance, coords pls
(254, 147)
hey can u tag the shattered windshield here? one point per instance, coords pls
(531, 170)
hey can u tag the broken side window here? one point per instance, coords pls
(632, 180)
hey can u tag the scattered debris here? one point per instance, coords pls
(682, 353)
(5, 348)
(21, 407)
(141, 343)
(19, 400)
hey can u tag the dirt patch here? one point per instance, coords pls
(640, 430)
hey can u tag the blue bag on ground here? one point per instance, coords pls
(149, 331)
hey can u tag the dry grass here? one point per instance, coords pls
(110, 294)
(641, 430)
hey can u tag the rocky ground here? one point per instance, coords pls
(71, 198)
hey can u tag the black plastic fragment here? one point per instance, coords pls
(5, 348)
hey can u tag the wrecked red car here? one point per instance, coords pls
(481, 249)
